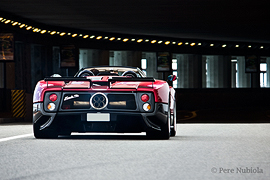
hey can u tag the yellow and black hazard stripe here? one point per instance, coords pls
(18, 103)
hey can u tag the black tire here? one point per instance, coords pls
(165, 129)
(173, 121)
(44, 134)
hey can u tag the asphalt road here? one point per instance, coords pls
(199, 151)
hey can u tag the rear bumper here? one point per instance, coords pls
(120, 122)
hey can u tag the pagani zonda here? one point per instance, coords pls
(104, 99)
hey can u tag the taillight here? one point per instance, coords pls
(51, 106)
(146, 107)
(53, 97)
(144, 97)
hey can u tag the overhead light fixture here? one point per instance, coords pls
(224, 45)
(36, 30)
(192, 44)
(53, 32)
(147, 40)
(237, 45)
(91, 37)
(1, 18)
(159, 42)
(139, 40)
(261, 47)
(133, 39)
(29, 27)
(167, 42)
(180, 43)
(99, 37)
(153, 41)
(14, 24)
(186, 43)
(173, 42)
(249, 46)
(211, 45)
(85, 36)
(62, 34)
(7, 21)
(118, 39)
(125, 40)
(43, 31)
(199, 44)
(106, 37)
(74, 35)
(112, 38)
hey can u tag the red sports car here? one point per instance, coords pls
(104, 99)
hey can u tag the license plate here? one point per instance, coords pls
(98, 117)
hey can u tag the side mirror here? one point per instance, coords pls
(172, 78)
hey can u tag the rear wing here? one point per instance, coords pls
(128, 79)
(68, 79)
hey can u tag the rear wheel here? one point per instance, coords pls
(164, 133)
(46, 133)
(173, 121)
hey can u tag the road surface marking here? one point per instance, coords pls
(15, 137)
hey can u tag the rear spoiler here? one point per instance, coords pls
(68, 79)
(127, 79)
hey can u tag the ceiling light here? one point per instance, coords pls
(224, 45)
(14, 24)
(43, 31)
(139, 40)
(1, 18)
(53, 32)
(179, 44)
(112, 38)
(173, 42)
(167, 42)
(153, 41)
(106, 37)
(249, 46)
(192, 44)
(36, 30)
(99, 37)
(85, 36)
(237, 45)
(133, 39)
(7, 21)
(118, 39)
(261, 47)
(125, 40)
(199, 44)
(147, 40)
(186, 43)
(212, 45)
(159, 42)
(74, 35)
(62, 34)
(92, 37)
(29, 27)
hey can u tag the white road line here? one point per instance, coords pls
(15, 137)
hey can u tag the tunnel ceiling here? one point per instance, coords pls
(246, 21)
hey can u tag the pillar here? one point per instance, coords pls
(218, 71)
(268, 71)
(243, 78)
(151, 68)
(126, 58)
(189, 70)
(2, 77)
(93, 57)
